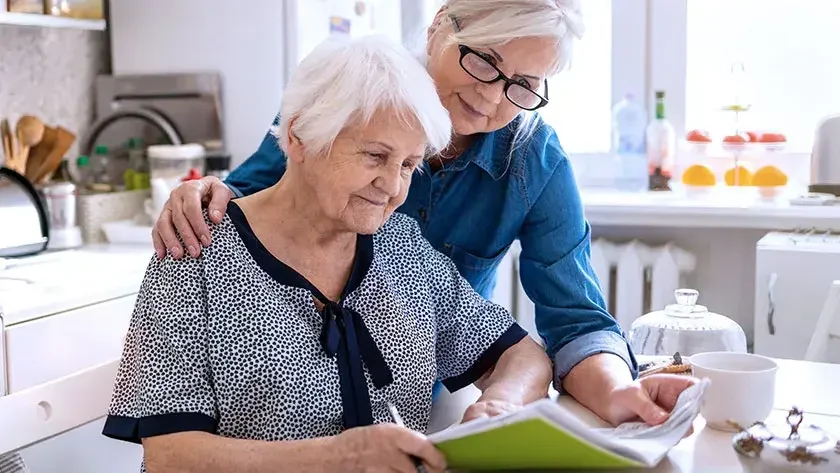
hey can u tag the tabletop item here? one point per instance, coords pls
(169, 165)
(743, 387)
(794, 447)
(23, 216)
(674, 365)
(825, 157)
(687, 328)
(553, 434)
(60, 198)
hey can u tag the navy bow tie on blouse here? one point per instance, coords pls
(345, 337)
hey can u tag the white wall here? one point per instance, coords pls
(244, 40)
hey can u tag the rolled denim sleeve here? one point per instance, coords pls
(261, 170)
(557, 274)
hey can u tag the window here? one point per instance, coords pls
(784, 57)
(580, 97)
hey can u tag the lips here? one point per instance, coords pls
(469, 109)
(374, 202)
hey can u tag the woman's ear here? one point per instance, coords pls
(294, 146)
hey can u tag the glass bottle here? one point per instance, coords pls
(661, 145)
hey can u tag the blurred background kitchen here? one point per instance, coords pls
(704, 134)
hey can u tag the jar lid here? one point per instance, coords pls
(686, 305)
(185, 151)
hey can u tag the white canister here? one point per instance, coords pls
(169, 166)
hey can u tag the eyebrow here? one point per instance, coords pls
(500, 59)
(379, 143)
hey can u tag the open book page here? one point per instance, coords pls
(636, 441)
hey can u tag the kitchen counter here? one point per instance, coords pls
(56, 281)
(670, 209)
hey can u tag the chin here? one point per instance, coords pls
(367, 224)
(467, 126)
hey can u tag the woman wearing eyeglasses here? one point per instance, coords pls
(504, 177)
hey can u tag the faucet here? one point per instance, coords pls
(151, 116)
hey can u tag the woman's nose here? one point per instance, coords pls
(492, 92)
(390, 181)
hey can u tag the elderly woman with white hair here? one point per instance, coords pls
(285, 345)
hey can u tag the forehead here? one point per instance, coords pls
(534, 56)
(396, 127)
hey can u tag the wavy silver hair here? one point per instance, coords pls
(346, 81)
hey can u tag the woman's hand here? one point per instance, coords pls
(183, 212)
(489, 408)
(386, 448)
(650, 399)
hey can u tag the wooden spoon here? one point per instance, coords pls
(29, 131)
(6, 137)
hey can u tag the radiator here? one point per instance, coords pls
(635, 278)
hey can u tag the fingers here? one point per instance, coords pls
(489, 408)
(639, 401)
(160, 246)
(475, 411)
(415, 444)
(665, 389)
(166, 232)
(186, 231)
(220, 195)
(193, 220)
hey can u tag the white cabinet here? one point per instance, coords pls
(792, 278)
(48, 348)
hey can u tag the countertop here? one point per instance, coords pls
(57, 281)
(672, 209)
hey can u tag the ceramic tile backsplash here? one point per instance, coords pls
(50, 73)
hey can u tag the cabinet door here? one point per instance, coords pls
(58, 345)
(791, 287)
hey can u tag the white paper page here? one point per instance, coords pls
(634, 440)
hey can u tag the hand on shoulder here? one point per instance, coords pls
(183, 215)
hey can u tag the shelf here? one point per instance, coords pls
(49, 21)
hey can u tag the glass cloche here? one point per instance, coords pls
(685, 327)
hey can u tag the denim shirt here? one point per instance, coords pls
(476, 206)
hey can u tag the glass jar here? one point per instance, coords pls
(687, 328)
(173, 164)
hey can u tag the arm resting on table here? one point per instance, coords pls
(558, 277)
(522, 373)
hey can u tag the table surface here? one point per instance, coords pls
(812, 387)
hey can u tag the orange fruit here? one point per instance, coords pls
(738, 176)
(769, 176)
(698, 175)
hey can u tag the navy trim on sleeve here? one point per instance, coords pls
(132, 429)
(511, 337)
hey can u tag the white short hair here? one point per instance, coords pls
(486, 23)
(346, 81)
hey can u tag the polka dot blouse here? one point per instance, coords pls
(232, 343)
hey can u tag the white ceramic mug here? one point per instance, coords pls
(743, 387)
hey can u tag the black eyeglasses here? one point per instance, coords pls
(519, 92)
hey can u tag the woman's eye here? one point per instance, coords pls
(378, 156)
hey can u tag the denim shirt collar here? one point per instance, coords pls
(490, 152)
